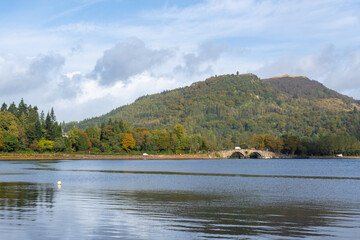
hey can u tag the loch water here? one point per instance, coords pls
(180, 199)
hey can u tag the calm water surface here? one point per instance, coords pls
(180, 199)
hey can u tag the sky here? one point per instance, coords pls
(87, 57)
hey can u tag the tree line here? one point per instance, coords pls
(326, 145)
(23, 128)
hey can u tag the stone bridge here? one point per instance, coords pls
(245, 153)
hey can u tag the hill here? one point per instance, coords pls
(240, 106)
(300, 86)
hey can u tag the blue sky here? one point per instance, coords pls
(86, 57)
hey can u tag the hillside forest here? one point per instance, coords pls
(23, 129)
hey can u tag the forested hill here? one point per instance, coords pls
(300, 86)
(240, 106)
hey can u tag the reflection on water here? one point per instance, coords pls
(212, 215)
(18, 196)
(103, 204)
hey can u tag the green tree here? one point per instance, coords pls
(12, 108)
(97, 145)
(292, 145)
(11, 142)
(2, 144)
(196, 143)
(22, 109)
(4, 107)
(42, 119)
(160, 140)
(267, 142)
(32, 125)
(93, 132)
(79, 140)
(142, 138)
(60, 144)
(179, 132)
(106, 133)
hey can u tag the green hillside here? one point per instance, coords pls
(240, 106)
(300, 86)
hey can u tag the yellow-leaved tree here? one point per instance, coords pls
(128, 142)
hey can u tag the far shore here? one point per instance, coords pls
(64, 156)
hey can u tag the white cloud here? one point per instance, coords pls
(15, 78)
(127, 59)
(208, 52)
(95, 99)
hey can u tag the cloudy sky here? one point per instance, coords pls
(87, 57)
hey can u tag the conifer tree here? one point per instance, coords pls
(22, 109)
(52, 116)
(12, 108)
(38, 133)
(4, 107)
(42, 119)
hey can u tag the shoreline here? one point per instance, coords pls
(61, 156)
(57, 156)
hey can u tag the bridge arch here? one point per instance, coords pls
(237, 154)
(255, 155)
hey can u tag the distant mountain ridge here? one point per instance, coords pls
(243, 105)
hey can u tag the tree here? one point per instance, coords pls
(32, 125)
(2, 144)
(46, 145)
(42, 119)
(93, 132)
(196, 143)
(38, 130)
(267, 142)
(142, 138)
(292, 145)
(97, 145)
(12, 108)
(60, 144)
(84, 143)
(48, 127)
(52, 116)
(160, 140)
(9, 123)
(180, 138)
(4, 107)
(79, 140)
(11, 142)
(128, 142)
(106, 133)
(23, 140)
(35, 145)
(22, 109)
